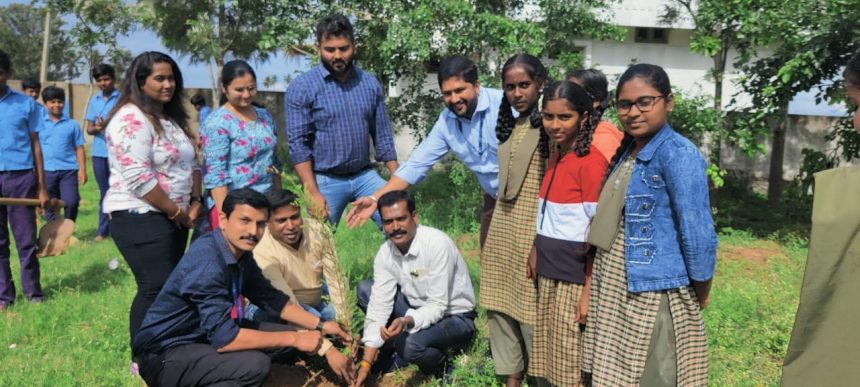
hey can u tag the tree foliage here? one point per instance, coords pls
(98, 24)
(216, 30)
(817, 38)
(21, 29)
(403, 40)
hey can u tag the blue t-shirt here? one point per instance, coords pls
(202, 114)
(59, 141)
(100, 107)
(18, 118)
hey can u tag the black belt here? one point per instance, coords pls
(342, 174)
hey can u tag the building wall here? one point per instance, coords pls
(801, 132)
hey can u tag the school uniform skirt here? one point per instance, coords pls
(557, 346)
(649, 338)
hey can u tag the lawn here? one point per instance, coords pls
(79, 337)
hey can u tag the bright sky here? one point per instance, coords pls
(197, 75)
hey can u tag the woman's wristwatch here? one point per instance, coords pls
(197, 199)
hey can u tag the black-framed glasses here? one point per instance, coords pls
(644, 104)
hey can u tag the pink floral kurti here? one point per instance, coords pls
(139, 159)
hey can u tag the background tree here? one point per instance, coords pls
(21, 28)
(402, 41)
(97, 26)
(723, 27)
(817, 39)
(213, 31)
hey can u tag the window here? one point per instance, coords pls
(652, 35)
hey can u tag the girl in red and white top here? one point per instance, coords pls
(568, 200)
(154, 194)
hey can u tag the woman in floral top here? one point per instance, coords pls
(154, 194)
(239, 140)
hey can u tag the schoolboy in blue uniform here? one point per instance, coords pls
(33, 88)
(63, 142)
(21, 176)
(97, 113)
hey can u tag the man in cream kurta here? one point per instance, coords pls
(295, 254)
(420, 303)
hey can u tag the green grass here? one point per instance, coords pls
(80, 336)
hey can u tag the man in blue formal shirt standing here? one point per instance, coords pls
(332, 113)
(466, 127)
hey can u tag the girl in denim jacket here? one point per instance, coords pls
(656, 248)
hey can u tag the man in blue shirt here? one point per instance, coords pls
(467, 127)
(332, 113)
(63, 144)
(197, 324)
(21, 176)
(98, 110)
(203, 110)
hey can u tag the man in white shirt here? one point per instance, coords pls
(420, 303)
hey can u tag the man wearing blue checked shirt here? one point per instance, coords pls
(466, 127)
(332, 113)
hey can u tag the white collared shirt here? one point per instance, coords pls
(432, 275)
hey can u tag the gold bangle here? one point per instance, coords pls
(364, 364)
(178, 211)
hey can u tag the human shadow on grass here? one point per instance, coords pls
(94, 278)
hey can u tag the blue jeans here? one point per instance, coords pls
(339, 191)
(427, 348)
(324, 311)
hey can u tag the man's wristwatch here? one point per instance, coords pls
(320, 325)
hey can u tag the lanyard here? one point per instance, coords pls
(239, 301)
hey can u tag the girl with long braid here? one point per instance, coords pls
(507, 293)
(607, 137)
(568, 201)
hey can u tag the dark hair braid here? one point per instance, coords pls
(582, 145)
(625, 143)
(506, 122)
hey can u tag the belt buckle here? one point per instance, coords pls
(139, 210)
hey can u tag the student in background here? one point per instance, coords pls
(100, 106)
(203, 109)
(21, 176)
(65, 164)
(32, 88)
(607, 137)
(568, 201)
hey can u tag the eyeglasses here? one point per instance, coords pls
(644, 104)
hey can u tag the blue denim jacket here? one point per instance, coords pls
(670, 236)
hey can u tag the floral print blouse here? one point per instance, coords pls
(238, 154)
(139, 159)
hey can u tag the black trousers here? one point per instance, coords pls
(151, 245)
(202, 365)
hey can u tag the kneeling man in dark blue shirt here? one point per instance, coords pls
(195, 332)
